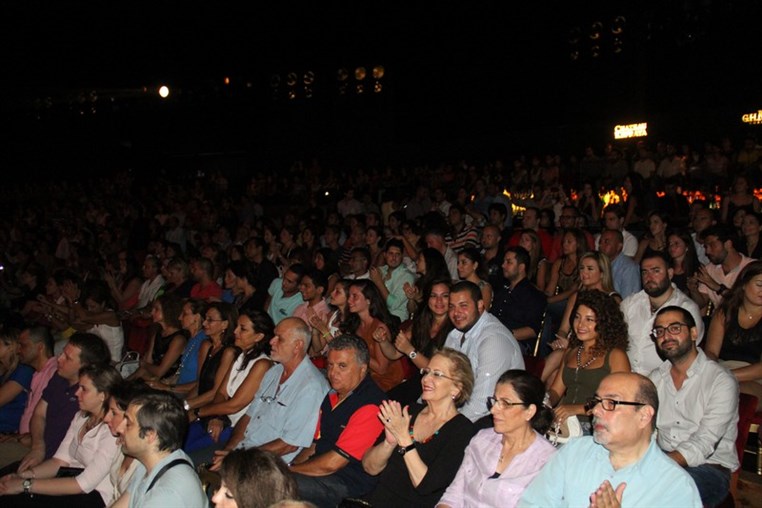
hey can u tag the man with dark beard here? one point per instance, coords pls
(698, 418)
(640, 308)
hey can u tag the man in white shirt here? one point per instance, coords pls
(639, 311)
(613, 218)
(489, 345)
(698, 419)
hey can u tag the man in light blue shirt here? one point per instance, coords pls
(621, 464)
(624, 271)
(391, 278)
(283, 415)
(283, 294)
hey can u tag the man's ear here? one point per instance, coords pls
(647, 414)
(480, 306)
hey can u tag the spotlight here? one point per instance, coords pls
(342, 74)
(163, 91)
(617, 43)
(377, 87)
(595, 30)
(275, 81)
(360, 73)
(308, 78)
(291, 79)
(617, 27)
(226, 80)
(595, 51)
(378, 72)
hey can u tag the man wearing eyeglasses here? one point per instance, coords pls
(699, 416)
(640, 309)
(621, 463)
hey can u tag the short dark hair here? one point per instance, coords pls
(723, 232)
(522, 256)
(42, 334)
(318, 278)
(394, 242)
(469, 287)
(615, 208)
(105, 379)
(657, 254)
(531, 391)
(92, 349)
(349, 341)
(687, 317)
(163, 413)
(499, 208)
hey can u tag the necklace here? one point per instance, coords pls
(748, 314)
(579, 359)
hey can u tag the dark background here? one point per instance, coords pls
(471, 80)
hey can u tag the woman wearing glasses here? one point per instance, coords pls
(252, 334)
(500, 462)
(597, 347)
(734, 333)
(422, 445)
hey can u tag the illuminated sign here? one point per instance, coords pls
(752, 118)
(633, 130)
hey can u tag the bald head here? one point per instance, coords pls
(626, 418)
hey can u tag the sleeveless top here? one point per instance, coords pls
(161, 346)
(395, 373)
(582, 385)
(740, 343)
(567, 281)
(209, 369)
(236, 379)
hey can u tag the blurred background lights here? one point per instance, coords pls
(164, 91)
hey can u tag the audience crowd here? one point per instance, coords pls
(548, 332)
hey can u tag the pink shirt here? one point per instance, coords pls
(39, 382)
(321, 309)
(717, 273)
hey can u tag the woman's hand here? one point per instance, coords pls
(215, 428)
(559, 343)
(396, 421)
(564, 411)
(317, 323)
(411, 291)
(381, 334)
(11, 484)
(402, 342)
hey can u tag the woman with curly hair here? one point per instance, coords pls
(597, 348)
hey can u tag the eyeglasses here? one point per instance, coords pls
(672, 328)
(609, 404)
(501, 404)
(436, 373)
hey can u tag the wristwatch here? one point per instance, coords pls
(402, 450)
(412, 354)
(186, 406)
(196, 413)
(27, 485)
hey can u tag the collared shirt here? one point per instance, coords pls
(726, 279)
(640, 319)
(62, 402)
(700, 420)
(629, 247)
(700, 250)
(520, 306)
(451, 258)
(321, 309)
(474, 485)
(178, 486)
(581, 466)
(626, 275)
(287, 411)
(492, 349)
(39, 382)
(397, 301)
(281, 306)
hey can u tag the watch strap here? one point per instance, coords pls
(402, 450)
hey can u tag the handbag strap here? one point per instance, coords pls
(164, 469)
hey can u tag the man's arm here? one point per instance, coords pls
(524, 333)
(279, 447)
(321, 465)
(37, 429)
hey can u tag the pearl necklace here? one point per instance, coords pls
(579, 359)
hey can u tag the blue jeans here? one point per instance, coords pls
(324, 491)
(713, 483)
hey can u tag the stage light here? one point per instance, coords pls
(291, 79)
(617, 44)
(378, 72)
(163, 91)
(342, 74)
(617, 27)
(575, 34)
(308, 78)
(360, 73)
(595, 30)
(378, 87)
(595, 51)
